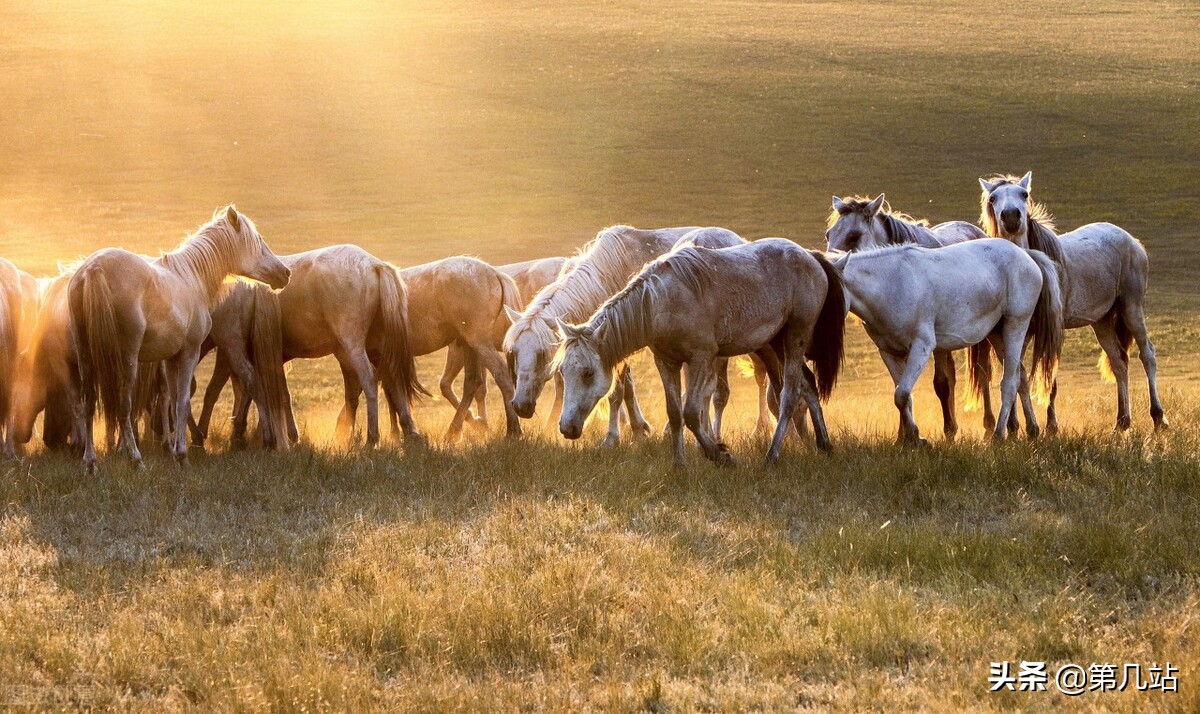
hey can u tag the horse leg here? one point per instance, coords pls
(638, 425)
(1009, 343)
(672, 392)
(127, 440)
(762, 427)
(1118, 359)
(789, 399)
(491, 360)
(221, 374)
(401, 414)
(454, 365)
(943, 385)
(1051, 414)
(481, 401)
(474, 375)
(615, 397)
(700, 383)
(245, 383)
(1135, 321)
(1031, 425)
(351, 387)
(179, 371)
(985, 371)
(918, 356)
(367, 381)
(720, 395)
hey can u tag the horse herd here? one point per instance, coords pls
(125, 332)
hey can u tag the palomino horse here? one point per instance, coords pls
(126, 309)
(10, 335)
(345, 302)
(697, 305)
(914, 301)
(859, 224)
(460, 302)
(1105, 274)
(530, 276)
(48, 373)
(247, 335)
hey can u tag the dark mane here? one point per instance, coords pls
(899, 227)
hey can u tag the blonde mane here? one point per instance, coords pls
(1039, 228)
(599, 269)
(211, 253)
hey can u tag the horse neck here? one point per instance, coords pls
(204, 260)
(625, 324)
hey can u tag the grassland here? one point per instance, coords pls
(494, 575)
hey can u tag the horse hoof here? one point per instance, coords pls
(89, 468)
(415, 440)
(1052, 430)
(1162, 425)
(610, 441)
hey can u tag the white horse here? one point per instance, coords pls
(1105, 274)
(860, 224)
(601, 269)
(914, 301)
(696, 306)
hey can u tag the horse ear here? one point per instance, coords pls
(232, 215)
(840, 261)
(986, 185)
(1026, 180)
(839, 205)
(569, 331)
(513, 315)
(874, 206)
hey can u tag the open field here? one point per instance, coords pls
(541, 575)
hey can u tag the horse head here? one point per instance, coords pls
(585, 377)
(255, 259)
(854, 224)
(1005, 207)
(530, 344)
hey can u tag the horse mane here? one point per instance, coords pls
(1039, 225)
(595, 272)
(879, 252)
(622, 324)
(206, 256)
(899, 226)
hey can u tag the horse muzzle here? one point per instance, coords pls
(523, 408)
(570, 431)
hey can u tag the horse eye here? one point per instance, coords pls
(991, 199)
(1024, 195)
(587, 375)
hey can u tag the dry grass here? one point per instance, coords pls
(541, 575)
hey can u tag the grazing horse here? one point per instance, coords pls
(600, 270)
(1105, 273)
(460, 302)
(861, 224)
(345, 302)
(247, 335)
(48, 373)
(10, 335)
(126, 309)
(914, 301)
(530, 277)
(696, 305)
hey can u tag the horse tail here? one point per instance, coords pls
(397, 358)
(266, 351)
(827, 349)
(510, 295)
(1124, 339)
(1047, 325)
(96, 338)
(9, 334)
(979, 359)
